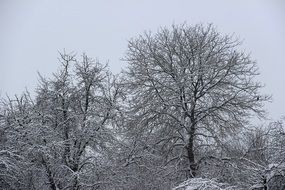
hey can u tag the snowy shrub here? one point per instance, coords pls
(203, 184)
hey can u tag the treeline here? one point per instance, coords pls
(181, 110)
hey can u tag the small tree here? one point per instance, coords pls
(65, 138)
(190, 87)
(80, 105)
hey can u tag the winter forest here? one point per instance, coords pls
(180, 116)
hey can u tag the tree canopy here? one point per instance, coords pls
(191, 84)
(179, 114)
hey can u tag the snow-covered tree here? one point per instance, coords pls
(190, 87)
(65, 136)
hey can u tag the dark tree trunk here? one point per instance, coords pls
(190, 147)
(49, 175)
(264, 183)
(191, 157)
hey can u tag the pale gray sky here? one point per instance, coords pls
(33, 31)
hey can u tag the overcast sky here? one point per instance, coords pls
(33, 31)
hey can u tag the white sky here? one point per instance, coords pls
(33, 31)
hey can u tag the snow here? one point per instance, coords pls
(203, 184)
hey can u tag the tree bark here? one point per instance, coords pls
(191, 155)
(49, 175)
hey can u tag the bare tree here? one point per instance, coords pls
(79, 105)
(63, 138)
(190, 87)
(254, 160)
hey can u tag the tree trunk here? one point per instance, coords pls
(190, 147)
(191, 157)
(75, 184)
(52, 184)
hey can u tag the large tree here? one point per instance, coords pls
(190, 86)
